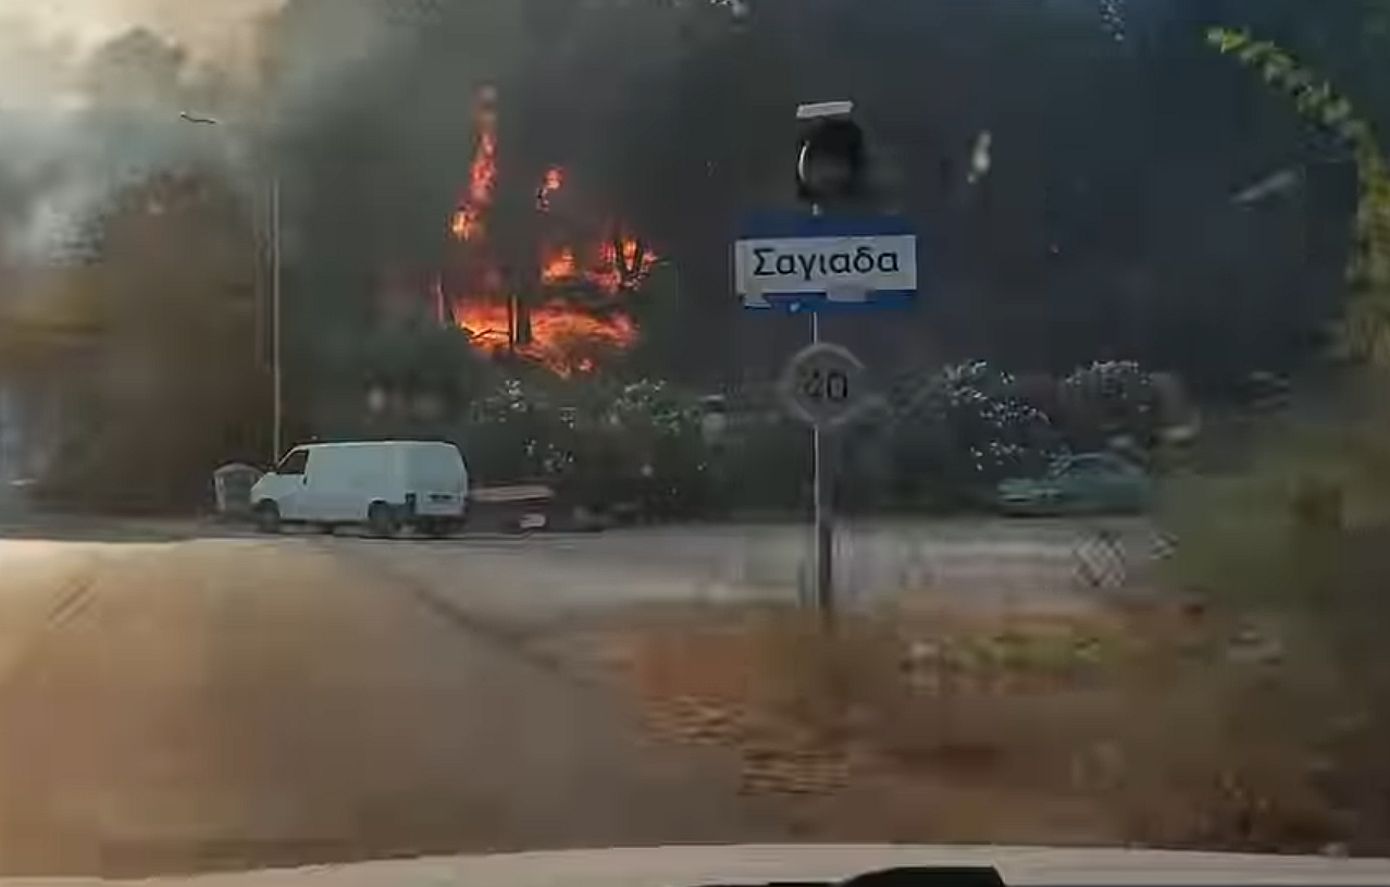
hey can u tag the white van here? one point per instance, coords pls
(383, 484)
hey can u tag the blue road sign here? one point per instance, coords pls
(802, 263)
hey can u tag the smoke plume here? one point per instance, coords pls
(91, 93)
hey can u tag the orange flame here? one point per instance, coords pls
(563, 339)
(606, 271)
(551, 185)
(622, 266)
(467, 222)
(483, 173)
(559, 267)
(486, 323)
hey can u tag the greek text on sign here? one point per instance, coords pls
(821, 263)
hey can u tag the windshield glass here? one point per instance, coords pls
(919, 421)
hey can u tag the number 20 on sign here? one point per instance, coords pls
(824, 385)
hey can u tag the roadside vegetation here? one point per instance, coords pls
(1134, 724)
(1294, 545)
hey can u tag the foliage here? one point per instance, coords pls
(652, 408)
(1297, 541)
(765, 467)
(1257, 535)
(1298, 538)
(949, 435)
(515, 433)
(650, 437)
(1367, 323)
(164, 384)
(953, 431)
(1109, 401)
(637, 444)
(425, 358)
(401, 382)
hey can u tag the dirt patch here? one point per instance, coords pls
(1129, 725)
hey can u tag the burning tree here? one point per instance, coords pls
(525, 281)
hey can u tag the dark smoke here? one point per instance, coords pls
(1103, 223)
(90, 124)
(1103, 227)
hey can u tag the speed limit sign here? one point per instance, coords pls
(825, 386)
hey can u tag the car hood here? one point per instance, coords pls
(757, 864)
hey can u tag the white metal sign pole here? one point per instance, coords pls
(851, 264)
(822, 481)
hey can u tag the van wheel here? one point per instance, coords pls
(382, 521)
(268, 517)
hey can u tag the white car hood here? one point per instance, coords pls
(757, 864)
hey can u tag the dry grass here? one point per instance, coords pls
(1116, 726)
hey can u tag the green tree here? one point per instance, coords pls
(952, 431)
(1107, 401)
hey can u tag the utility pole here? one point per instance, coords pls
(276, 299)
(277, 315)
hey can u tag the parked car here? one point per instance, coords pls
(1091, 483)
(383, 484)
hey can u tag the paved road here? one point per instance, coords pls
(242, 702)
(172, 698)
(967, 562)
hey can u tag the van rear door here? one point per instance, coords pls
(435, 474)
